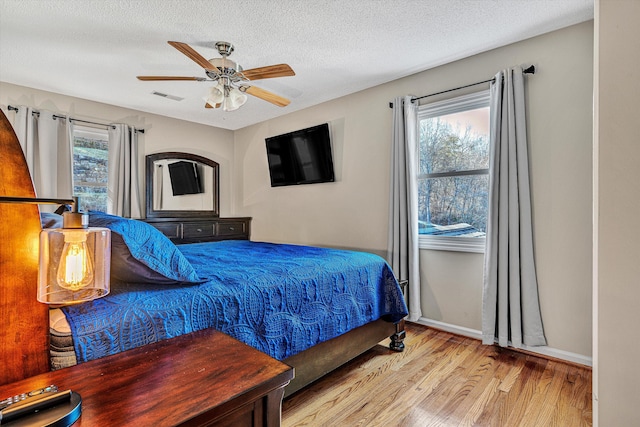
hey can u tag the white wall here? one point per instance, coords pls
(617, 207)
(353, 211)
(161, 133)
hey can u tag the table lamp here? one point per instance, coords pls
(75, 260)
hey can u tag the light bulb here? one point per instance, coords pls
(75, 270)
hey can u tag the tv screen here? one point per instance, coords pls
(300, 157)
(185, 178)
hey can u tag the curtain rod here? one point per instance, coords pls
(57, 116)
(529, 70)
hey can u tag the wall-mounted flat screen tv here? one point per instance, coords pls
(185, 178)
(300, 157)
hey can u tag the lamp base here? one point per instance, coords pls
(62, 415)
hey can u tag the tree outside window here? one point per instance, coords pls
(90, 161)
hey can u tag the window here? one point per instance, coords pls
(453, 173)
(90, 160)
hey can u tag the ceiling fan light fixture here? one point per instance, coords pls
(229, 77)
(216, 95)
(234, 99)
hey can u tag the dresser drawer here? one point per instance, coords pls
(198, 230)
(231, 228)
(185, 230)
(170, 229)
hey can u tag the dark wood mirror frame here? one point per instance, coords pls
(152, 213)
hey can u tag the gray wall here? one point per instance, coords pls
(161, 133)
(616, 208)
(353, 211)
(560, 138)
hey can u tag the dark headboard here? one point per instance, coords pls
(24, 336)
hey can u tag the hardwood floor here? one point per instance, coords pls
(443, 379)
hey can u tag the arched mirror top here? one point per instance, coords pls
(181, 185)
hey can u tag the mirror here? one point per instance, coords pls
(181, 185)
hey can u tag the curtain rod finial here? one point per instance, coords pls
(531, 69)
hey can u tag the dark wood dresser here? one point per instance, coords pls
(202, 229)
(199, 379)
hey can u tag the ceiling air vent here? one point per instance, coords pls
(164, 95)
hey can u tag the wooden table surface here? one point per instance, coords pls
(166, 383)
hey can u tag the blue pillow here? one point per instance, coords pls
(142, 254)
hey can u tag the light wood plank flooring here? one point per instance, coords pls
(443, 379)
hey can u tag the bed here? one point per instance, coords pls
(334, 311)
(280, 299)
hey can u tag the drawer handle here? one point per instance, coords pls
(199, 230)
(232, 228)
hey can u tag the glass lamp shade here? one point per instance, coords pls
(74, 265)
(216, 95)
(234, 100)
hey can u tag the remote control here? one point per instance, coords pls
(33, 404)
(23, 396)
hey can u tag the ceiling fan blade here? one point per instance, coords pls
(159, 78)
(193, 55)
(268, 72)
(207, 105)
(266, 95)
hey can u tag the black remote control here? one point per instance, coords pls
(33, 404)
(4, 403)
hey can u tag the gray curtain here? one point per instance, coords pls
(403, 209)
(46, 142)
(123, 189)
(510, 306)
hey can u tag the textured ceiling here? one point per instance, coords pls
(94, 49)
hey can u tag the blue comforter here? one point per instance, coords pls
(280, 299)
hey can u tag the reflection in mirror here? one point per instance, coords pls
(180, 185)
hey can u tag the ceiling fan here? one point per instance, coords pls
(231, 80)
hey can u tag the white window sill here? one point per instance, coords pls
(456, 244)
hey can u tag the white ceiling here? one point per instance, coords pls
(94, 49)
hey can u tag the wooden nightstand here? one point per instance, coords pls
(198, 379)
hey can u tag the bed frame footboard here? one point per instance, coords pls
(323, 358)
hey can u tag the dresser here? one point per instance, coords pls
(202, 229)
(199, 379)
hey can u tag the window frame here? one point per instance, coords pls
(480, 99)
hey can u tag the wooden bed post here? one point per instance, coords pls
(24, 336)
(397, 339)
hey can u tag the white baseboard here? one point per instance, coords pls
(542, 350)
(448, 327)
